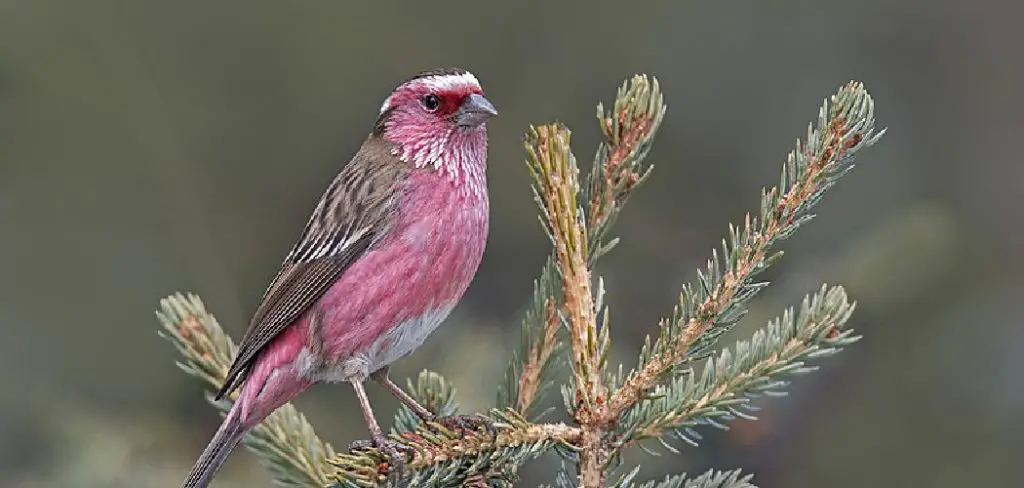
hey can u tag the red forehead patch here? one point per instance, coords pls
(451, 90)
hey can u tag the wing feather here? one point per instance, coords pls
(352, 215)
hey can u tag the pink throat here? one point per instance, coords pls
(460, 154)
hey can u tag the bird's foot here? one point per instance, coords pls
(469, 422)
(395, 452)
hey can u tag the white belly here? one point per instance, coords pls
(388, 348)
(403, 339)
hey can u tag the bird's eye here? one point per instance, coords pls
(431, 102)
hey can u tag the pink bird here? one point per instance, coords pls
(388, 252)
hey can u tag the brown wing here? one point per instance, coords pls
(353, 213)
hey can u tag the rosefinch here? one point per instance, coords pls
(389, 250)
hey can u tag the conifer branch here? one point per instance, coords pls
(629, 129)
(611, 411)
(710, 308)
(753, 368)
(540, 353)
(531, 372)
(710, 479)
(556, 187)
(443, 458)
(577, 238)
(617, 171)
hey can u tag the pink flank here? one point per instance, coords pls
(388, 301)
(422, 269)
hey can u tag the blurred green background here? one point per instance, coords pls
(148, 147)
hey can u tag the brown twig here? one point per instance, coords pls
(540, 352)
(557, 185)
(637, 112)
(434, 450)
(526, 434)
(619, 179)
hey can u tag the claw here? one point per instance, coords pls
(469, 422)
(395, 452)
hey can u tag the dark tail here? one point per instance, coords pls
(217, 451)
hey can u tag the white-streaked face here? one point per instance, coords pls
(438, 120)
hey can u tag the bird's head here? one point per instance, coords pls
(438, 118)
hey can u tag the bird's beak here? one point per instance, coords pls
(475, 110)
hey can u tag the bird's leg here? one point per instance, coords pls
(452, 422)
(377, 438)
(382, 378)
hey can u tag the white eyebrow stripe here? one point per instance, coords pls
(447, 82)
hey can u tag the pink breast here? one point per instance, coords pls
(424, 264)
